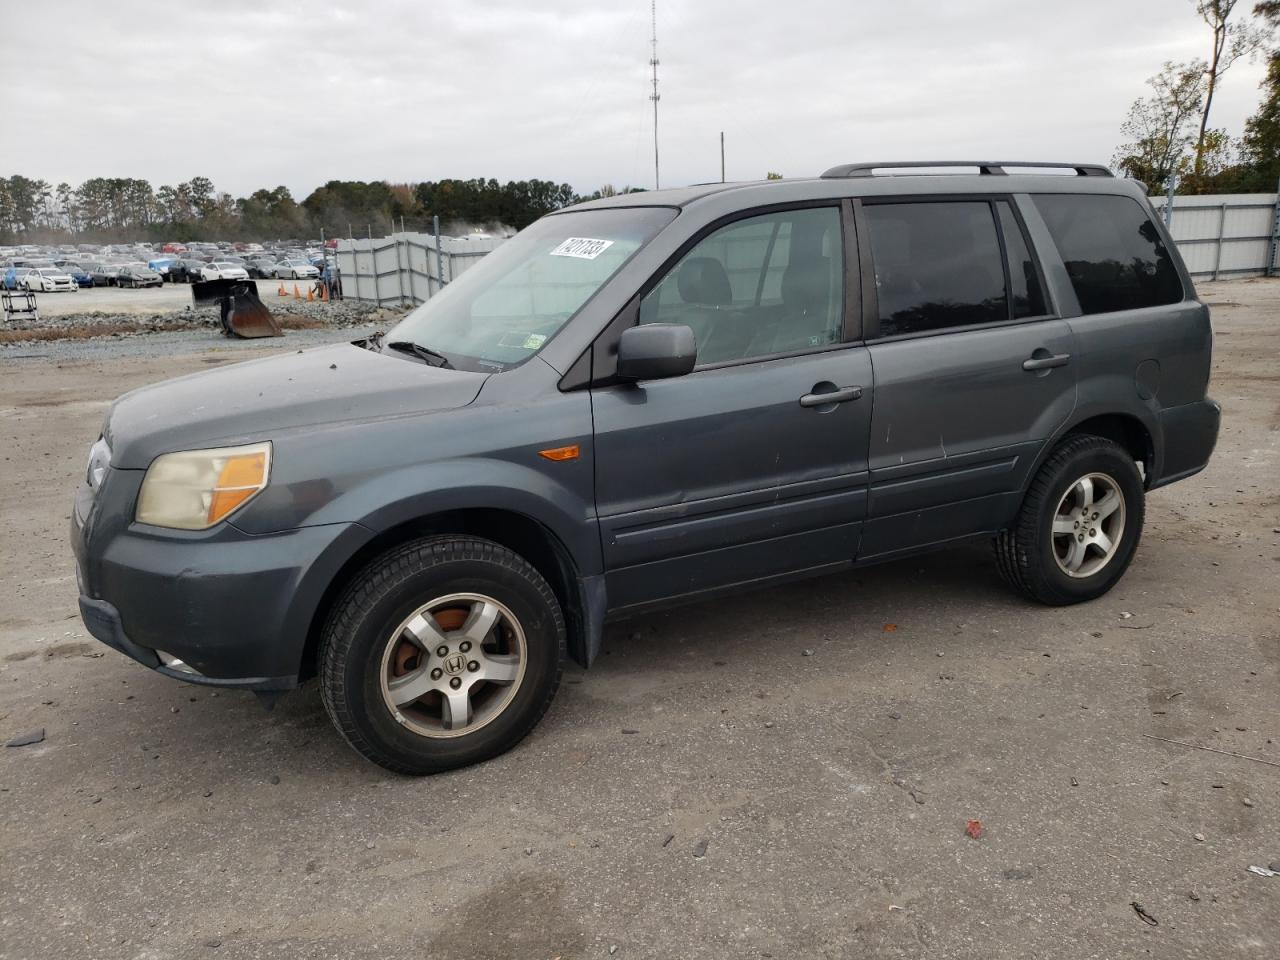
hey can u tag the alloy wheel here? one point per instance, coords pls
(453, 665)
(1088, 525)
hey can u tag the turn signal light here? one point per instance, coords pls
(240, 478)
(571, 452)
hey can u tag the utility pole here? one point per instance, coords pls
(653, 62)
(722, 156)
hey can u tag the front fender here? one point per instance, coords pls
(398, 497)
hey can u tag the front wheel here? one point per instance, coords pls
(441, 653)
(1079, 526)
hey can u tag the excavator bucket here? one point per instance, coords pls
(242, 313)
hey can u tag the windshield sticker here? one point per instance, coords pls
(584, 248)
(522, 340)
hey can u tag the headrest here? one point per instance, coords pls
(703, 280)
(807, 285)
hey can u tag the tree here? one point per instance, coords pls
(1260, 145)
(773, 176)
(1232, 39)
(1160, 128)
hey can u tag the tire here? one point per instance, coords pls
(1073, 564)
(367, 642)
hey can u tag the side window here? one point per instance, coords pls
(765, 285)
(1028, 298)
(937, 265)
(1113, 254)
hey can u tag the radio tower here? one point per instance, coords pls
(653, 62)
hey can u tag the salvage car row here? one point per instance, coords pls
(56, 271)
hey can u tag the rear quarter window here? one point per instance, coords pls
(1112, 251)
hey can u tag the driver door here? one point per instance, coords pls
(753, 467)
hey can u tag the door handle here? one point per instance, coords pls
(842, 395)
(1046, 362)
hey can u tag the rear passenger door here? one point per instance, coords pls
(973, 368)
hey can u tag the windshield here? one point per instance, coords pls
(501, 311)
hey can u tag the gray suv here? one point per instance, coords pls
(651, 399)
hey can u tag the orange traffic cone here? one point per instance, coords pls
(311, 294)
(324, 293)
(282, 291)
(297, 294)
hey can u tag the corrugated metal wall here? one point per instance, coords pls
(1225, 235)
(403, 268)
(1219, 236)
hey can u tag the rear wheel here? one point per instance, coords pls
(442, 653)
(1079, 526)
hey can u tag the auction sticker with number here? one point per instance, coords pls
(584, 248)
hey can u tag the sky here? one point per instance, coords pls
(256, 93)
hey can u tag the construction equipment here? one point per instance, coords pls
(242, 313)
(19, 304)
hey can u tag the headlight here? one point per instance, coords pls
(195, 489)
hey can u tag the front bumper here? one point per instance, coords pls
(102, 620)
(235, 609)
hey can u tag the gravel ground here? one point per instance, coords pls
(127, 301)
(178, 345)
(785, 774)
(107, 312)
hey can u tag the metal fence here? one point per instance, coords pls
(405, 268)
(1225, 235)
(1221, 235)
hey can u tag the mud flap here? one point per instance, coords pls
(242, 313)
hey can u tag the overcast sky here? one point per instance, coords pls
(255, 93)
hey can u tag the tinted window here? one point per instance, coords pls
(1028, 299)
(760, 286)
(1114, 256)
(937, 265)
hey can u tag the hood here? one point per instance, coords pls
(253, 401)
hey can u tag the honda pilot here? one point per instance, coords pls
(645, 400)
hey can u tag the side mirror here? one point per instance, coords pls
(656, 351)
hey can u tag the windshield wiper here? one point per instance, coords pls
(432, 357)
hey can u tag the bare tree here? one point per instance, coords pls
(1160, 128)
(1232, 39)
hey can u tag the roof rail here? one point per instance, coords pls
(988, 168)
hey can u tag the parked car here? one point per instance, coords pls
(13, 277)
(105, 274)
(645, 400)
(222, 270)
(48, 280)
(162, 266)
(174, 248)
(261, 267)
(78, 273)
(185, 270)
(295, 270)
(138, 275)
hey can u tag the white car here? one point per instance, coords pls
(295, 270)
(221, 270)
(48, 280)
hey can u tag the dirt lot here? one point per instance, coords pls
(144, 300)
(824, 744)
(171, 296)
